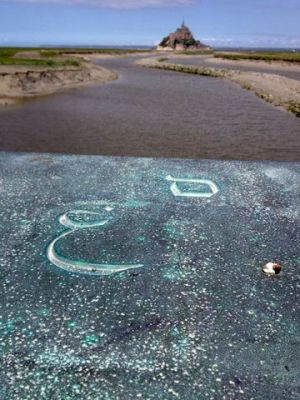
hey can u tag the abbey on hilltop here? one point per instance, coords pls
(182, 39)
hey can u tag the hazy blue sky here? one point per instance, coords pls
(273, 23)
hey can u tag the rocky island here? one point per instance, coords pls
(181, 40)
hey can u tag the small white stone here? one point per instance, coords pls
(271, 268)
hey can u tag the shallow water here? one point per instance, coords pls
(235, 66)
(153, 113)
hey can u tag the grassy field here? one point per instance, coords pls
(32, 62)
(52, 58)
(62, 57)
(290, 56)
(8, 57)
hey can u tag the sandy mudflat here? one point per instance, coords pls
(18, 82)
(278, 90)
(105, 56)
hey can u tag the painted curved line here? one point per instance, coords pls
(68, 222)
(82, 267)
(178, 193)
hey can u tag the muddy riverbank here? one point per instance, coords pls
(18, 82)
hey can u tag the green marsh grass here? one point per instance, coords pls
(48, 58)
(39, 63)
(293, 57)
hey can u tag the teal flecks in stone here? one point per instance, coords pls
(197, 320)
(90, 340)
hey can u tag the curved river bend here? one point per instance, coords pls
(153, 113)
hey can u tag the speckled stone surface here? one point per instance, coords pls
(192, 318)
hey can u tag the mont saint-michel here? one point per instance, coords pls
(181, 39)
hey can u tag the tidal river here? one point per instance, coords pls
(149, 112)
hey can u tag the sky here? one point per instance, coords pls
(229, 23)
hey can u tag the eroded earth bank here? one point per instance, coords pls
(19, 82)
